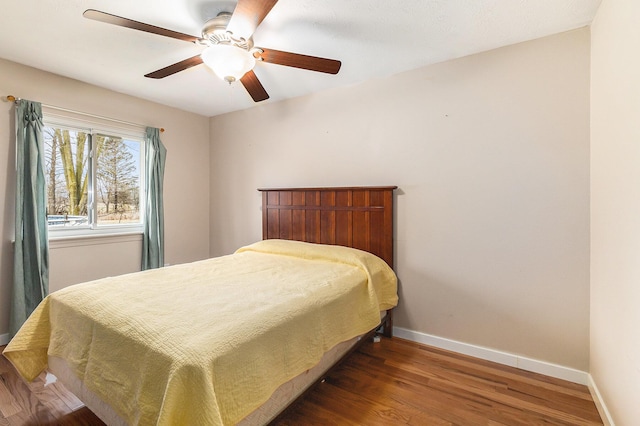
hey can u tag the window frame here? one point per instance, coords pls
(94, 126)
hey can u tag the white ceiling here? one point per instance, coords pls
(372, 38)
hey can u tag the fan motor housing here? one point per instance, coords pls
(215, 32)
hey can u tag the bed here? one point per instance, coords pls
(177, 345)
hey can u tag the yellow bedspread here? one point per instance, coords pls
(208, 342)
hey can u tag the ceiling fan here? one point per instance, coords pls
(230, 52)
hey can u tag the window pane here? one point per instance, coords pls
(117, 180)
(66, 175)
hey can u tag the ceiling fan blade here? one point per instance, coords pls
(177, 67)
(254, 87)
(312, 63)
(108, 18)
(248, 15)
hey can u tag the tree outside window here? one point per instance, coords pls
(93, 179)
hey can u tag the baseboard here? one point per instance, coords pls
(600, 405)
(4, 339)
(528, 364)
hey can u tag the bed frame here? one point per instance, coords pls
(357, 217)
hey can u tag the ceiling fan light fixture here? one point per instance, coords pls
(228, 62)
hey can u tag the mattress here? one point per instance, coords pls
(209, 342)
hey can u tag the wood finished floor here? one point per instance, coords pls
(393, 382)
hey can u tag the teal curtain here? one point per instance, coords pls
(153, 238)
(31, 249)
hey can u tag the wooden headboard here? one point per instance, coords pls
(358, 217)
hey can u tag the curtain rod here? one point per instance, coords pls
(12, 98)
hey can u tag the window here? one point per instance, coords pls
(94, 178)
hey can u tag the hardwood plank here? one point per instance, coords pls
(470, 383)
(312, 414)
(35, 403)
(415, 384)
(8, 404)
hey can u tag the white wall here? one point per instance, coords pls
(491, 156)
(186, 183)
(615, 208)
